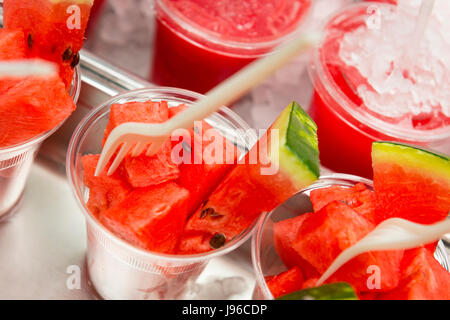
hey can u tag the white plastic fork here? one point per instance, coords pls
(27, 68)
(391, 234)
(138, 136)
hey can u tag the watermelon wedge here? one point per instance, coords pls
(143, 171)
(54, 29)
(151, 218)
(246, 192)
(410, 183)
(423, 278)
(286, 282)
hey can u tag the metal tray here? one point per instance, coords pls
(43, 244)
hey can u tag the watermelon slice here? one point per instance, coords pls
(246, 192)
(151, 218)
(286, 282)
(198, 175)
(284, 235)
(326, 233)
(410, 183)
(54, 29)
(143, 171)
(32, 106)
(423, 278)
(358, 197)
(104, 191)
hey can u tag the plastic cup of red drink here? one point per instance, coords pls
(117, 269)
(266, 261)
(16, 161)
(198, 44)
(353, 108)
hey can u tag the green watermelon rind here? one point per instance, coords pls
(298, 145)
(333, 291)
(411, 156)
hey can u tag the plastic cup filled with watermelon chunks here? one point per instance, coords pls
(156, 222)
(295, 244)
(32, 108)
(136, 216)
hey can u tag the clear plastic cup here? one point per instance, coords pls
(117, 269)
(188, 55)
(346, 128)
(266, 261)
(16, 161)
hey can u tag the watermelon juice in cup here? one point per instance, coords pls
(373, 81)
(281, 270)
(122, 265)
(17, 155)
(199, 43)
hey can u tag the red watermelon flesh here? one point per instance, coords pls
(143, 171)
(358, 197)
(240, 186)
(197, 173)
(286, 282)
(284, 235)
(411, 183)
(151, 218)
(104, 191)
(310, 283)
(326, 233)
(54, 29)
(423, 278)
(12, 45)
(249, 190)
(31, 107)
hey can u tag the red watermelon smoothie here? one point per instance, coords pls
(369, 86)
(16, 161)
(200, 43)
(117, 268)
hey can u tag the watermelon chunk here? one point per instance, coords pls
(326, 233)
(143, 171)
(423, 278)
(199, 175)
(410, 183)
(31, 107)
(286, 282)
(284, 235)
(358, 197)
(151, 218)
(54, 29)
(104, 191)
(246, 192)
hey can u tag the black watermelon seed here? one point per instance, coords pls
(207, 212)
(217, 241)
(30, 41)
(67, 55)
(75, 60)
